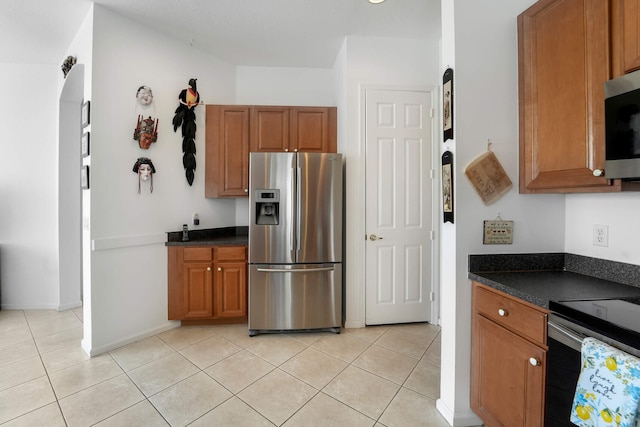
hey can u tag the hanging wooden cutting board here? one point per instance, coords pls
(488, 177)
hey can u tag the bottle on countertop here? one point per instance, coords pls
(185, 232)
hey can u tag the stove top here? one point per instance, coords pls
(617, 318)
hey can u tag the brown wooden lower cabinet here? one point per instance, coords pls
(207, 284)
(508, 359)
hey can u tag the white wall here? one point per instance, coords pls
(483, 54)
(28, 186)
(129, 260)
(81, 48)
(285, 86)
(618, 211)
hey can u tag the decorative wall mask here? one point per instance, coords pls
(185, 118)
(145, 170)
(146, 131)
(68, 63)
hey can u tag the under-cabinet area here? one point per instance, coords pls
(233, 131)
(207, 284)
(508, 359)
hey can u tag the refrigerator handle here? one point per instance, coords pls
(297, 270)
(292, 240)
(298, 216)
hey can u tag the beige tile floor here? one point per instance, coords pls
(217, 376)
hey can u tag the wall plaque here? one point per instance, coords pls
(498, 232)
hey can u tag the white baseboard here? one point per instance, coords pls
(466, 419)
(69, 306)
(353, 324)
(94, 351)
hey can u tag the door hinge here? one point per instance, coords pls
(431, 112)
(432, 173)
(432, 296)
(432, 235)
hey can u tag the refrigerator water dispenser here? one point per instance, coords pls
(267, 206)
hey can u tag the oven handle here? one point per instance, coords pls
(565, 336)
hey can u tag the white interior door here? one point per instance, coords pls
(398, 206)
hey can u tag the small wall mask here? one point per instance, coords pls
(146, 131)
(145, 170)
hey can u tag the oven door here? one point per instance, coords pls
(563, 370)
(564, 338)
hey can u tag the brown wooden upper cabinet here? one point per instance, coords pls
(625, 24)
(232, 131)
(227, 151)
(567, 49)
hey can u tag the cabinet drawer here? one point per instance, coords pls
(197, 254)
(506, 311)
(230, 253)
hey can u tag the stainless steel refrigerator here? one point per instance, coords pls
(295, 242)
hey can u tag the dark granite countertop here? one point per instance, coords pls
(227, 236)
(540, 278)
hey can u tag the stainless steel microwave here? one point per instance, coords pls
(622, 127)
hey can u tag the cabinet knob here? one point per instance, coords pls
(208, 268)
(219, 268)
(246, 190)
(286, 149)
(295, 149)
(598, 172)
(502, 312)
(534, 361)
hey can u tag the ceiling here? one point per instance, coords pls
(277, 33)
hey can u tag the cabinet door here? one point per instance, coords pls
(270, 128)
(175, 286)
(625, 27)
(198, 290)
(227, 151)
(506, 388)
(231, 289)
(563, 48)
(313, 129)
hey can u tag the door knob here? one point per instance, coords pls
(374, 237)
(534, 361)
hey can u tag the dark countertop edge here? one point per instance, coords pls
(527, 265)
(620, 272)
(525, 296)
(224, 236)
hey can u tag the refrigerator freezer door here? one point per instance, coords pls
(300, 297)
(272, 242)
(319, 208)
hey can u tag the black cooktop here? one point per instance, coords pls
(617, 318)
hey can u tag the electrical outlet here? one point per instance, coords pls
(601, 235)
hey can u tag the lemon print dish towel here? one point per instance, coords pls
(608, 388)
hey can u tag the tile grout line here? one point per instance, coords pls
(53, 390)
(229, 338)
